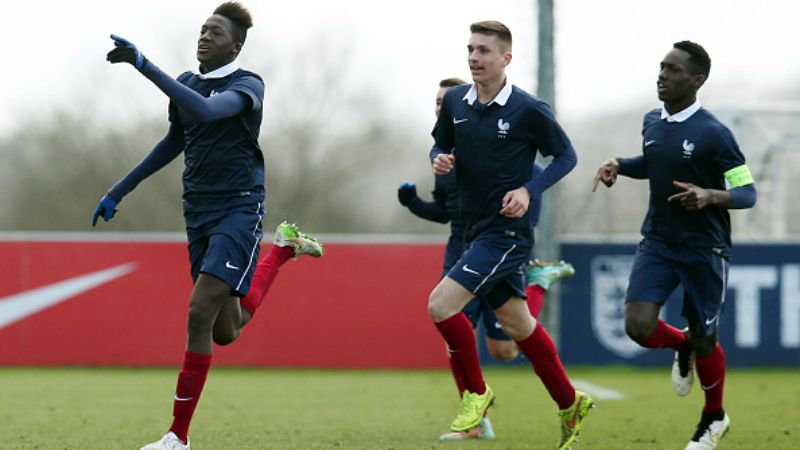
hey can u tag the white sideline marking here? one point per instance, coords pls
(598, 392)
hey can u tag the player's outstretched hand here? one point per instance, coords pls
(443, 163)
(105, 209)
(516, 202)
(406, 192)
(694, 198)
(125, 51)
(607, 173)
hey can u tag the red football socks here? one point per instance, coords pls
(456, 376)
(266, 271)
(540, 351)
(190, 385)
(457, 332)
(666, 336)
(711, 372)
(535, 294)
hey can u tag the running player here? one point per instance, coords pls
(215, 117)
(688, 155)
(491, 131)
(444, 209)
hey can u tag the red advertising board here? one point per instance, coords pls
(124, 302)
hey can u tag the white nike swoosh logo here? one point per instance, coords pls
(230, 266)
(183, 399)
(649, 142)
(705, 388)
(458, 121)
(19, 306)
(711, 320)
(468, 270)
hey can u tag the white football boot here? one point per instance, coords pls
(169, 442)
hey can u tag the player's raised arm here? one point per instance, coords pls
(161, 155)
(226, 104)
(607, 173)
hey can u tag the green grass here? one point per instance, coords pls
(283, 409)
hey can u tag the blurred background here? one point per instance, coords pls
(349, 104)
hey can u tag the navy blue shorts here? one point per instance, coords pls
(659, 267)
(492, 269)
(476, 310)
(225, 244)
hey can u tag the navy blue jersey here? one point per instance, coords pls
(445, 191)
(698, 150)
(495, 146)
(224, 166)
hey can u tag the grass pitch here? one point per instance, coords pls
(287, 409)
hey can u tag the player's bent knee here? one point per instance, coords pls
(437, 312)
(226, 338)
(437, 307)
(638, 330)
(504, 353)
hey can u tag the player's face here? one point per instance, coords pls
(675, 80)
(439, 100)
(216, 47)
(487, 61)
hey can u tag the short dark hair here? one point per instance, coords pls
(493, 28)
(699, 60)
(240, 19)
(451, 82)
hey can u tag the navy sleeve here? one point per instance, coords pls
(252, 87)
(443, 130)
(727, 154)
(535, 208)
(225, 104)
(428, 210)
(561, 165)
(635, 167)
(743, 197)
(161, 155)
(549, 136)
(436, 210)
(551, 141)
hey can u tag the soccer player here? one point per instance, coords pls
(688, 155)
(490, 132)
(444, 209)
(215, 116)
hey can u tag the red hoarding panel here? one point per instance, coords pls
(125, 303)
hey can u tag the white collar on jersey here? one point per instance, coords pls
(683, 115)
(500, 99)
(221, 72)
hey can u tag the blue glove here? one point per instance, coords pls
(406, 192)
(125, 51)
(106, 208)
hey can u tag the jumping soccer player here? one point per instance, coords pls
(688, 155)
(490, 132)
(215, 117)
(444, 209)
